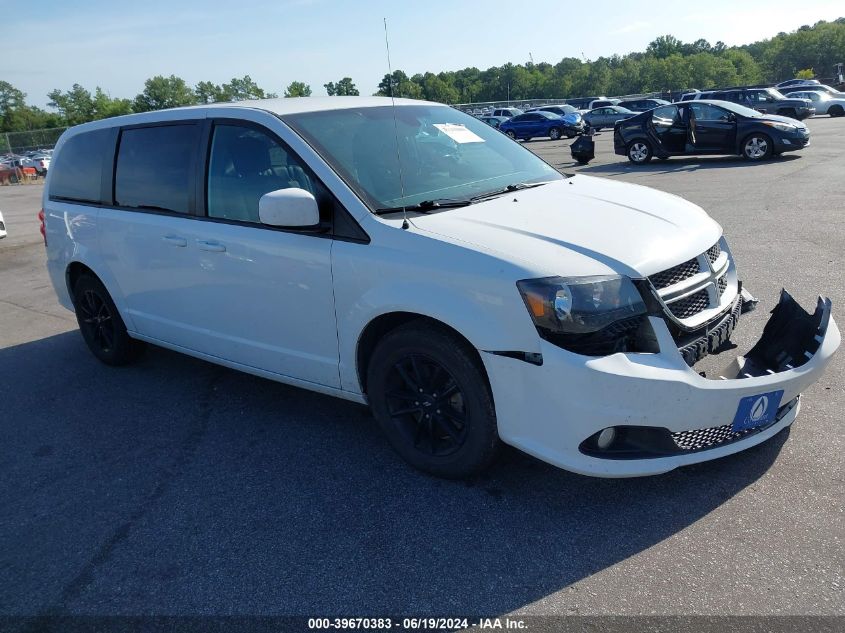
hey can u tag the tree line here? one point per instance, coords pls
(667, 65)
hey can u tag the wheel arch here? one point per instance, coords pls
(77, 267)
(383, 324)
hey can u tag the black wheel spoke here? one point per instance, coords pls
(404, 395)
(406, 411)
(454, 415)
(450, 389)
(413, 386)
(444, 424)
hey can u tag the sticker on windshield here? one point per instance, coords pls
(458, 133)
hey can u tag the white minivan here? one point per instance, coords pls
(411, 257)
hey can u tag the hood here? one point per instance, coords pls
(795, 101)
(581, 226)
(782, 119)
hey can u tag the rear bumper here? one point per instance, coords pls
(555, 411)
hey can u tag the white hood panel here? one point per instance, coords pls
(582, 226)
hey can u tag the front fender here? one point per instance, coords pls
(485, 309)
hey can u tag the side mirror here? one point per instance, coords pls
(289, 208)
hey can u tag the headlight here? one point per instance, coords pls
(594, 316)
(783, 127)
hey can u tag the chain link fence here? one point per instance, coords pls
(16, 150)
(31, 140)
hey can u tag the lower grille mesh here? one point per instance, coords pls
(703, 438)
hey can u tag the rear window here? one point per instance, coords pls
(155, 167)
(77, 173)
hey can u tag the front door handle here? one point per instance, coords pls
(175, 240)
(210, 245)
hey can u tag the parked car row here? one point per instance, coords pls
(37, 161)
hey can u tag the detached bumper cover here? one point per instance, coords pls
(550, 411)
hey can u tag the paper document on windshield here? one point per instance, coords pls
(458, 133)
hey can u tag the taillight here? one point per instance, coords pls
(42, 227)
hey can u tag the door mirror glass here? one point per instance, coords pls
(289, 208)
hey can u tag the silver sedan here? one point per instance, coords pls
(607, 116)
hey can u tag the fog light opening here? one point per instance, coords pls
(606, 438)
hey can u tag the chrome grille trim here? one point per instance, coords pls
(697, 290)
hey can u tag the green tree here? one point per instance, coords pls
(298, 89)
(75, 105)
(401, 86)
(664, 46)
(243, 89)
(164, 92)
(208, 92)
(806, 73)
(342, 88)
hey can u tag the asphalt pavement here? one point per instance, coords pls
(177, 487)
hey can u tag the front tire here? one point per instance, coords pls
(757, 147)
(639, 152)
(100, 323)
(430, 396)
(789, 112)
(554, 133)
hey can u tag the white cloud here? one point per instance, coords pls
(631, 27)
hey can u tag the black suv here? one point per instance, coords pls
(765, 100)
(641, 105)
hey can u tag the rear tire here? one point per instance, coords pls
(757, 146)
(101, 325)
(430, 396)
(639, 152)
(836, 111)
(511, 134)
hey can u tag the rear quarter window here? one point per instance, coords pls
(77, 171)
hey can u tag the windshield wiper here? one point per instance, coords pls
(426, 205)
(514, 187)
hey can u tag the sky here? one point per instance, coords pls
(116, 44)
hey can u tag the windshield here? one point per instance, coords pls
(775, 93)
(444, 154)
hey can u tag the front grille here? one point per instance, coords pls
(675, 274)
(690, 306)
(723, 284)
(713, 252)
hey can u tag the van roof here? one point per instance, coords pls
(280, 106)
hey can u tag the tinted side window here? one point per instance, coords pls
(708, 112)
(244, 165)
(155, 167)
(78, 168)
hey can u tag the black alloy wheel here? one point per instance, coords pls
(430, 395)
(100, 323)
(426, 405)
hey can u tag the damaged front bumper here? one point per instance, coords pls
(662, 414)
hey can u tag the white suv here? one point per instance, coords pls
(414, 258)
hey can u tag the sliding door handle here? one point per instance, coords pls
(175, 240)
(211, 245)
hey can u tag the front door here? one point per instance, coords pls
(263, 295)
(711, 128)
